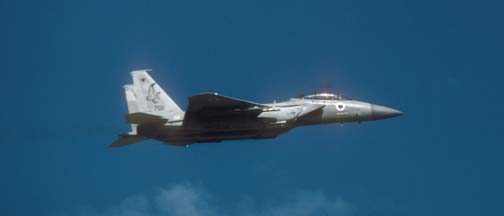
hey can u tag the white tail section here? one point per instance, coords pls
(146, 96)
(131, 99)
(133, 105)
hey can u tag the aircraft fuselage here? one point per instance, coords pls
(211, 117)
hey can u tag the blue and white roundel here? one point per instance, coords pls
(340, 106)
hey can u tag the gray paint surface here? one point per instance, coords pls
(211, 117)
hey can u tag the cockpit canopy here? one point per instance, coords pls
(324, 96)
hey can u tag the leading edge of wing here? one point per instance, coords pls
(214, 100)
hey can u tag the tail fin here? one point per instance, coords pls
(131, 99)
(133, 105)
(148, 97)
(147, 102)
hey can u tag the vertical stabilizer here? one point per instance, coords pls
(150, 98)
(131, 99)
(133, 105)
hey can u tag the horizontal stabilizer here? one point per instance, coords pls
(144, 118)
(127, 139)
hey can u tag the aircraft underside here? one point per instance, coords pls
(187, 135)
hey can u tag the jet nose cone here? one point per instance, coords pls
(383, 112)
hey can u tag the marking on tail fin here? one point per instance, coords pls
(152, 95)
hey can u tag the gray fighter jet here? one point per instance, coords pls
(211, 117)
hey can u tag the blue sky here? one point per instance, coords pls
(64, 64)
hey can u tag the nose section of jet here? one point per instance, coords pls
(383, 112)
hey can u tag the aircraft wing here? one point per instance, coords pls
(213, 100)
(144, 118)
(211, 105)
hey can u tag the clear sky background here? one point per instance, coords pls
(441, 62)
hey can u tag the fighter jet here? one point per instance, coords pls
(211, 117)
